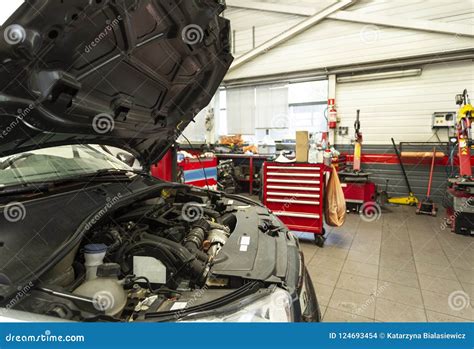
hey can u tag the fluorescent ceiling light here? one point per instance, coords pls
(7, 8)
(380, 76)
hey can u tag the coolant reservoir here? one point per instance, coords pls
(94, 255)
(106, 290)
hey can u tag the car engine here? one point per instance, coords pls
(141, 258)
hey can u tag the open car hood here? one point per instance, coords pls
(125, 73)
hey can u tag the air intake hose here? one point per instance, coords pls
(193, 241)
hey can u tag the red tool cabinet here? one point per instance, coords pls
(199, 172)
(295, 193)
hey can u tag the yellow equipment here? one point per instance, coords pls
(411, 199)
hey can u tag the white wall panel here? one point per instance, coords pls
(243, 41)
(338, 43)
(438, 10)
(402, 108)
(267, 32)
(334, 42)
(242, 19)
(267, 25)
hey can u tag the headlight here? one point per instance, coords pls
(276, 307)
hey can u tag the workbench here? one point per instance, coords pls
(244, 158)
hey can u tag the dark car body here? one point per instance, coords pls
(78, 76)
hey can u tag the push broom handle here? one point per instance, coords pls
(431, 173)
(401, 165)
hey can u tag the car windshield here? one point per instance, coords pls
(56, 163)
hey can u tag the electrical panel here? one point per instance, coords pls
(343, 131)
(443, 119)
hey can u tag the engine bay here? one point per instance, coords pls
(150, 257)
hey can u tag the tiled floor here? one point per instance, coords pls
(400, 267)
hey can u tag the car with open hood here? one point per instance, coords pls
(86, 237)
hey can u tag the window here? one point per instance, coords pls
(281, 108)
(308, 92)
(307, 108)
(241, 107)
(311, 117)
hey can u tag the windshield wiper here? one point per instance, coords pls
(110, 175)
(113, 171)
(104, 175)
(25, 189)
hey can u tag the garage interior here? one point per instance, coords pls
(374, 89)
(338, 138)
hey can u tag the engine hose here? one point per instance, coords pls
(182, 253)
(197, 253)
(228, 220)
(212, 213)
(117, 241)
(194, 240)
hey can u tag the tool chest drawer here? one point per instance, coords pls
(294, 192)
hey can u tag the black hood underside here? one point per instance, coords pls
(130, 74)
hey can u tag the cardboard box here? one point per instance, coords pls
(302, 146)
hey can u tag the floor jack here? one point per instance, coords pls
(460, 192)
(358, 190)
(411, 199)
(427, 206)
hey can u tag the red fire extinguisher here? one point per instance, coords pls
(332, 113)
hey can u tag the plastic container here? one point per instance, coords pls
(94, 255)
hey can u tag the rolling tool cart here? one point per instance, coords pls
(358, 190)
(460, 192)
(295, 193)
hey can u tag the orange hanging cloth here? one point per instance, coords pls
(335, 203)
